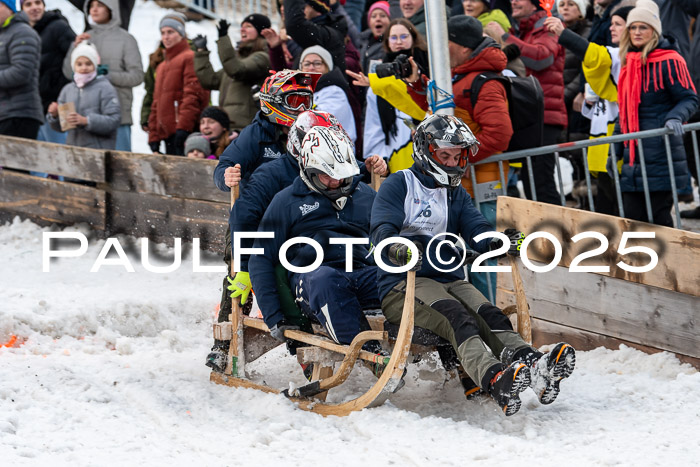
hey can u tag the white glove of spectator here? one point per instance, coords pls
(590, 96)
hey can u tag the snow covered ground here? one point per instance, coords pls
(110, 372)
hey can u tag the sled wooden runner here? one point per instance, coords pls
(385, 385)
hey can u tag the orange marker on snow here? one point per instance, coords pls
(11, 342)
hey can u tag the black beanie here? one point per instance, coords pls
(258, 21)
(622, 12)
(215, 113)
(537, 4)
(466, 31)
(322, 6)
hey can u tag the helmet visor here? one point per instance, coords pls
(446, 153)
(298, 101)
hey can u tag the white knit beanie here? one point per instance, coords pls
(87, 50)
(321, 52)
(582, 6)
(646, 11)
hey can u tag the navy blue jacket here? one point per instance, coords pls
(388, 216)
(297, 211)
(655, 108)
(264, 184)
(259, 142)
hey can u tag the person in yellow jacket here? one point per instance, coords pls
(390, 110)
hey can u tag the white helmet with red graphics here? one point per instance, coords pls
(304, 122)
(327, 163)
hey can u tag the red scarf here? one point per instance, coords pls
(635, 78)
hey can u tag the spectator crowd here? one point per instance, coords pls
(614, 66)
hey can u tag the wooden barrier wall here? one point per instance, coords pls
(652, 311)
(158, 197)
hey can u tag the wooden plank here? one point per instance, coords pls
(674, 247)
(614, 307)
(51, 201)
(544, 332)
(70, 161)
(161, 218)
(164, 175)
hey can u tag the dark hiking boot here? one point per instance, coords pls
(506, 386)
(217, 358)
(691, 213)
(471, 389)
(548, 371)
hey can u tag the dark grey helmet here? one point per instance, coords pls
(438, 132)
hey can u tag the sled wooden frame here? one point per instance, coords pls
(324, 376)
(250, 339)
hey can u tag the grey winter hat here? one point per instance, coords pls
(321, 52)
(197, 141)
(466, 31)
(175, 21)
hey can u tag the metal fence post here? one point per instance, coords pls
(587, 173)
(472, 174)
(531, 177)
(672, 174)
(562, 197)
(645, 181)
(694, 135)
(504, 185)
(616, 176)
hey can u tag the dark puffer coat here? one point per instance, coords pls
(327, 30)
(544, 59)
(658, 105)
(56, 38)
(20, 49)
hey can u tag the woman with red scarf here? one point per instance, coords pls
(654, 90)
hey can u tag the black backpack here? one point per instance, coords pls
(525, 106)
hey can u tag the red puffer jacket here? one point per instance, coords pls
(178, 98)
(544, 59)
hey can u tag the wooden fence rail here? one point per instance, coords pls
(144, 195)
(652, 311)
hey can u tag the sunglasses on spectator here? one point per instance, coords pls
(403, 37)
(316, 64)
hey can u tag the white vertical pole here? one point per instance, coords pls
(436, 30)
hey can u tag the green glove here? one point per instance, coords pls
(240, 286)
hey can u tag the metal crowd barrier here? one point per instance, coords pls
(230, 9)
(584, 145)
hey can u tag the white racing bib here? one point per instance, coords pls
(425, 208)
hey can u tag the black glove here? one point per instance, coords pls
(400, 255)
(200, 42)
(155, 146)
(223, 28)
(277, 331)
(516, 239)
(179, 141)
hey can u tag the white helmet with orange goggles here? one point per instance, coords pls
(286, 94)
(439, 132)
